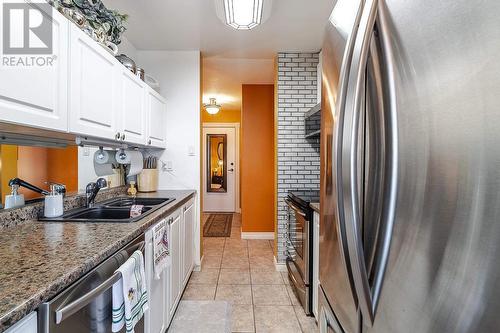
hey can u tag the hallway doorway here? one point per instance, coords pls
(221, 167)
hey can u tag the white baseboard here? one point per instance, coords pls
(197, 268)
(280, 267)
(257, 235)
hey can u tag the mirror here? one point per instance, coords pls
(72, 166)
(217, 162)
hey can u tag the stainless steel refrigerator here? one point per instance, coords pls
(410, 167)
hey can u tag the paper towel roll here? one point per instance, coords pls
(132, 157)
(136, 163)
(103, 169)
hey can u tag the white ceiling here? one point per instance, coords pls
(230, 57)
(223, 77)
(294, 25)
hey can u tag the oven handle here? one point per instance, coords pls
(295, 208)
(295, 282)
(84, 300)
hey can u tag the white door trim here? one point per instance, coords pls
(236, 127)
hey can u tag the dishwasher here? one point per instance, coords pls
(86, 306)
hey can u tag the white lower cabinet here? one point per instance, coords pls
(165, 293)
(26, 325)
(156, 319)
(188, 246)
(175, 268)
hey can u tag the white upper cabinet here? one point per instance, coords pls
(86, 91)
(157, 119)
(93, 88)
(36, 95)
(132, 108)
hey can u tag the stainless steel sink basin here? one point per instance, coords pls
(114, 210)
(127, 202)
(103, 213)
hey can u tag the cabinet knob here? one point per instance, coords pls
(123, 136)
(117, 136)
(149, 141)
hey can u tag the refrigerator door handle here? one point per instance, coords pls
(368, 296)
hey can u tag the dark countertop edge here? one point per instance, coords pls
(66, 279)
(315, 206)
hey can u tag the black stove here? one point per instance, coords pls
(304, 197)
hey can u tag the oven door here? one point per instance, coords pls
(297, 239)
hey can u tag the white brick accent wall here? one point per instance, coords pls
(298, 158)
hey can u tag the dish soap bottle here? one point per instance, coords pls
(132, 191)
(14, 199)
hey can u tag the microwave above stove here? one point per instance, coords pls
(313, 122)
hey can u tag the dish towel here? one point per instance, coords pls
(161, 249)
(130, 299)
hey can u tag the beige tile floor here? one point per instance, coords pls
(243, 273)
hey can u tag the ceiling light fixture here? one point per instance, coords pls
(212, 107)
(243, 14)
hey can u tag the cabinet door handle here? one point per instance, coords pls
(149, 141)
(117, 136)
(123, 136)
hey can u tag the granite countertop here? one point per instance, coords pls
(40, 259)
(315, 206)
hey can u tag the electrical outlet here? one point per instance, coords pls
(86, 151)
(167, 166)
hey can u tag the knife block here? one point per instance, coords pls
(147, 180)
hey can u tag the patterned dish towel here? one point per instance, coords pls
(130, 299)
(161, 249)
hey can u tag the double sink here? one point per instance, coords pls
(113, 210)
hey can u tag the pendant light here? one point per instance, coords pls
(212, 107)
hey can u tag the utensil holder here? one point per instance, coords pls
(147, 180)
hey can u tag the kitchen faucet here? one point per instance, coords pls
(92, 189)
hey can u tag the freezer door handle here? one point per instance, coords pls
(368, 295)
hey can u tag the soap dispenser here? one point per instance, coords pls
(14, 199)
(54, 201)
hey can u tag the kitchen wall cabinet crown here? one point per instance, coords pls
(87, 92)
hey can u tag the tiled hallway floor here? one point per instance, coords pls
(243, 273)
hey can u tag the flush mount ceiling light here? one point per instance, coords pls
(243, 14)
(212, 107)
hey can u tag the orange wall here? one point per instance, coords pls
(8, 159)
(223, 116)
(258, 158)
(32, 167)
(62, 167)
(36, 165)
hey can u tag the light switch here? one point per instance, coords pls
(191, 151)
(86, 151)
(169, 166)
